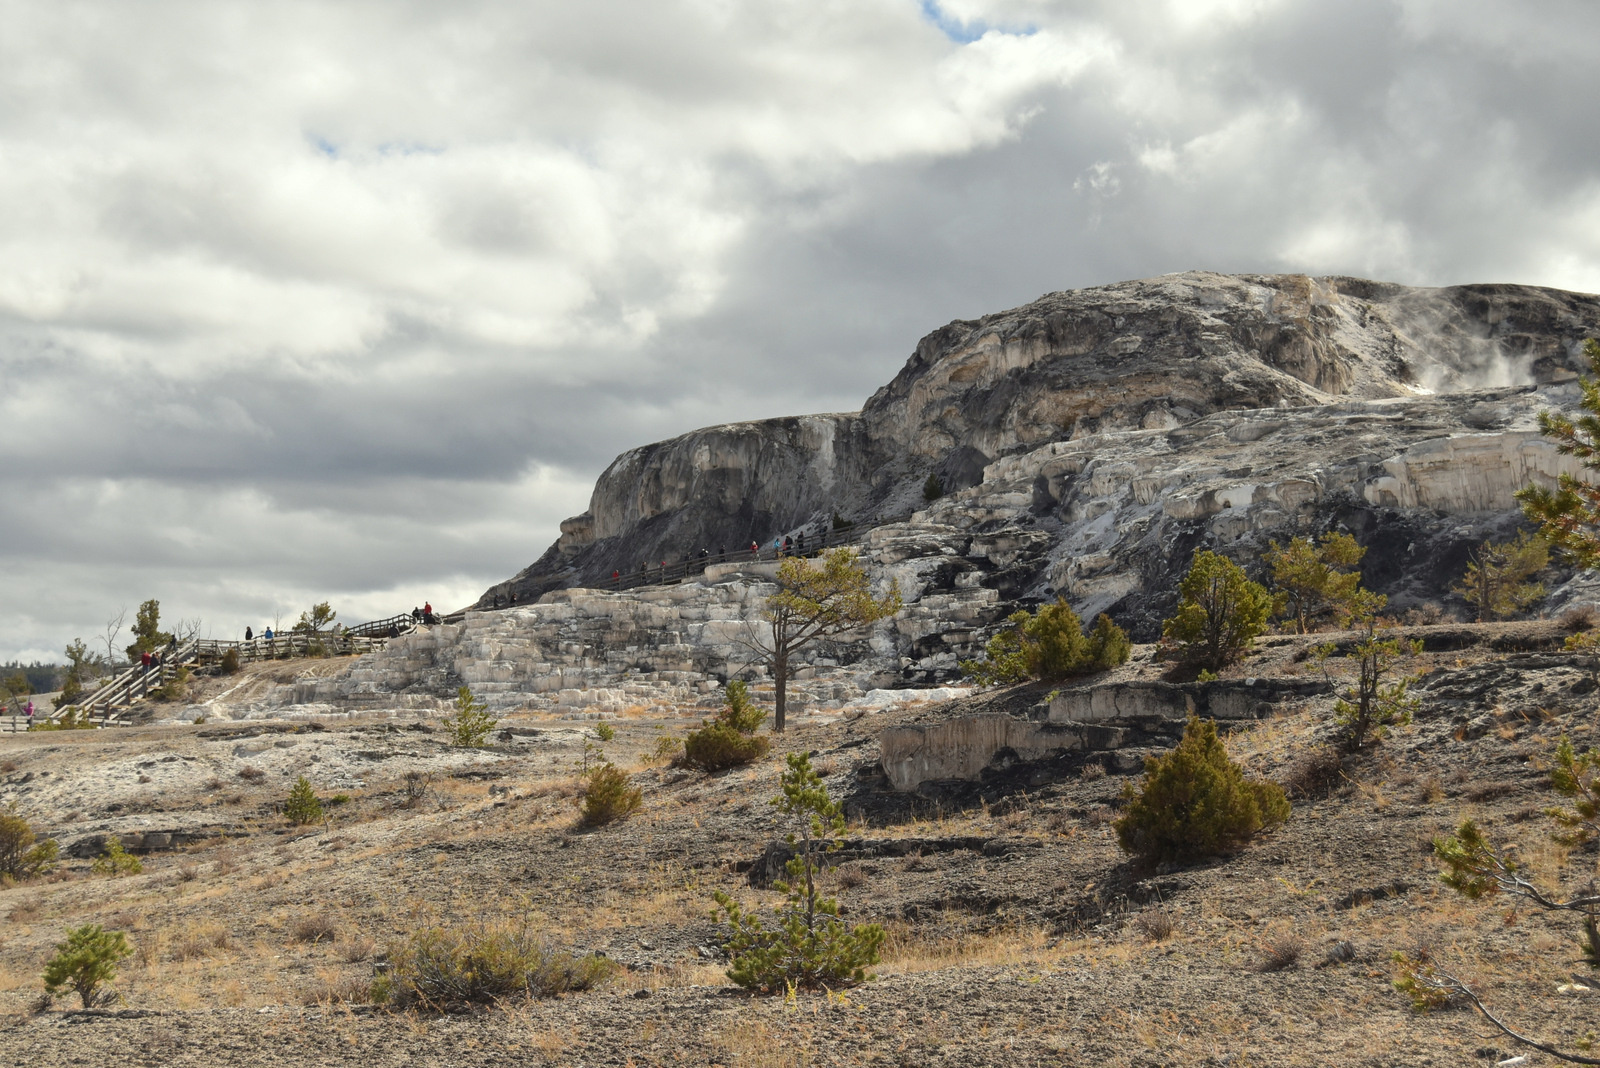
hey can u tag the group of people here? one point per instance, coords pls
(782, 546)
(424, 615)
(249, 635)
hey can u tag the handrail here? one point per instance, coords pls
(107, 704)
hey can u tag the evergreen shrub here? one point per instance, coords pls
(1195, 802)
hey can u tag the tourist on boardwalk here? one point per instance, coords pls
(249, 635)
(616, 579)
(755, 550)
(416, 615)
(777, 547)
(800, 542)
(27, 710)
(144, 661)
(267, 634)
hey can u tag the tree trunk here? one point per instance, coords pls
(780, 679)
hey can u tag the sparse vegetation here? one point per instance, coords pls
(302, 807)
(1475, 868)
(1195, 802)
(729, 740)
(809, 947)
(1220, 613)
(22, 856)
(86, 963)
(471, 724)
(607, 795)
(116, 860)
(438, 969)
(932, 489)
(1049, 645)
(230, 661)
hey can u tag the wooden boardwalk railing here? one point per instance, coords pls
(110, 704)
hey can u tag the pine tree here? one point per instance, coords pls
(1195, 802)
(302, 807)
(1497, 573)
(1220, 612)
(810, 947)
(1312, 578)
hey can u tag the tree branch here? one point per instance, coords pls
(1447, 983)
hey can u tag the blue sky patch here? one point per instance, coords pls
(962, 32)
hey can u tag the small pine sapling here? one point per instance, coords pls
(85, 963)
(22, 856)
(1497, 572)
(302, 807)
(1049, 645)
(116, 860)
(729, 740)
(1376, 700)
(471, 724)
(1312, 578)
(809, 947)
(607, 795)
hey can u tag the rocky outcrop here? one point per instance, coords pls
(1329, 394)
(1079, 720)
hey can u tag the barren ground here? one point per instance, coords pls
(1018, 930)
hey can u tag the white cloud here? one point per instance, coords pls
(295, 297)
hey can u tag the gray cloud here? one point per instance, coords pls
(355, 300)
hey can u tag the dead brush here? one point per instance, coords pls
(251, 774)
(849, 876)
(1281, 952)
(337, 989)
(1092, 771)
(1431, 792)
(26, 911)
(1154, 925)
(356, 948)
(414, 788)
(1314, 774)
(187, 873)
(1580, 617)
(317, 927)
(201, 941)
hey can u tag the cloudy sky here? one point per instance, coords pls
(354, 300)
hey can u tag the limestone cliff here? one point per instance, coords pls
(1091, 439)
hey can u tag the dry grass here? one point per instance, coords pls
(201, 940)
(1154, 925)
(1281, 952)
(317, 927)
(905, 949)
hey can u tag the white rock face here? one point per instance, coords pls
(1106, 374)
(597, 654)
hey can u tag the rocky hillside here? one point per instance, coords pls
(1090, 440)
